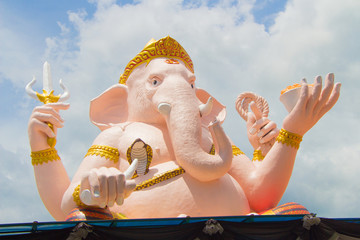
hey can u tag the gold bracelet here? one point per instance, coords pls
(236, 151)
(257, 155)
(104, 151)
(44, 156)
(76, 197)
(288, 138)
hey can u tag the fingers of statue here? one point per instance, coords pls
(316, 91)
(113, 182)
(253, 117)
(129, 187)
(312, 105)
(328, 97)
(326, 92)
(255, 110)
(304, 95)
(48, 113)
(258, 125)
(107, 186)
(332, 100)
(36, 125)
(56, 106)
(318, 101)
(120, 189)
(268, 132)
(125, 191)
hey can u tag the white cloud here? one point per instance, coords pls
(231, 54)
(327, 182)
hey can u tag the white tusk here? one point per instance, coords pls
(85, 197)
(29, 89)
(130, 171)
(206, 108)
(164, 108)
(65, 96)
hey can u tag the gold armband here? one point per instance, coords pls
(44, 156)
(76, 197)
(212, 150)
(288, 138)
(236, 151)
(104, 151)
(257, 155)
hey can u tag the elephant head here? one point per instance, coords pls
(158, 87)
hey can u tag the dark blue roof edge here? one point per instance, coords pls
(18, 228)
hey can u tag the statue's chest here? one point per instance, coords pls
(142, 140)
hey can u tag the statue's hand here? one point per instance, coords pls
(261, 131)
(312, 106)
(38, 128)
(106, 186)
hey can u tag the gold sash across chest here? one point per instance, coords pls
(159, 178)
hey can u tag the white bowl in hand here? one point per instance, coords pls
(290, 97)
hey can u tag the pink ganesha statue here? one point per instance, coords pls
(162, 151)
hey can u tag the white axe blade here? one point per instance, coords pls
(47, 80)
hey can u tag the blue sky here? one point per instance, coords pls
(236, 46)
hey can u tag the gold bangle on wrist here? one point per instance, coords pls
(44, 156)
(257, 155)
(288, 138)
(76, 197)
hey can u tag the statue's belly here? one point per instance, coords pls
(184, 194)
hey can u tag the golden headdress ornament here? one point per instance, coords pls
(165, 47)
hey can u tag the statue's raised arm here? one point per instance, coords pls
(265, 182)
(50, 174)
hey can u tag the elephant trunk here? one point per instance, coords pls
(183, 120)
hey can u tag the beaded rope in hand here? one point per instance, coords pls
(44, 156)
(289, 138)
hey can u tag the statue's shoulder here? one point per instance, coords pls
(110, 136)
(126, 133)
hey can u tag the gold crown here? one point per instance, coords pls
(165, 47)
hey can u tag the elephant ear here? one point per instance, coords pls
(110, 107)
(218, 110)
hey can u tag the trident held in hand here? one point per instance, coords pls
(48, 94)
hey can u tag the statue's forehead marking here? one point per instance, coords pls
(171, 61)
(167, 66)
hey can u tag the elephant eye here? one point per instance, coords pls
(155, 82)
(192, 85)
